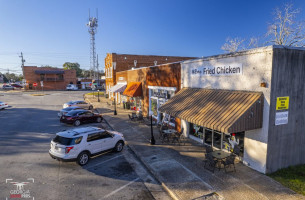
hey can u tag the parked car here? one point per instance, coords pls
(78, 117)
(7, 87)
(80, 144)
(81, 104)
(68, 109)
(71, 87)
(3, 105)
(15, 85)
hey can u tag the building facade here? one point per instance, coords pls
(252, 99)
(121, 62)
(48, 78)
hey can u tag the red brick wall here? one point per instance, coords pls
(31, 77)
(126, 62)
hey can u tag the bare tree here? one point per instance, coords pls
(233, 44)
(285, 29)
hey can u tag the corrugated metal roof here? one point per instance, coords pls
(133, 89)
(222, 110)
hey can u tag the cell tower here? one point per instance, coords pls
(92, 28)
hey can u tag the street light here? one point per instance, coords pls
(152, 139)
(115, 113)
(98, 95)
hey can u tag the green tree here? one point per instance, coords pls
(76, 66)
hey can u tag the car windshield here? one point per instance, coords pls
(67, 141)
(69, 108)
(71, 102)
(73, 112)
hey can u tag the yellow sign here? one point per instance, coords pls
(282, 103)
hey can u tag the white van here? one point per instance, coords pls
(71, 87)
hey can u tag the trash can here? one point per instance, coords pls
(127, 105)
(106, 96)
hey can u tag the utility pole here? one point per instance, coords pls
(22, 67)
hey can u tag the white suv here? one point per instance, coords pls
(81, 143)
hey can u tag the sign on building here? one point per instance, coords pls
(281, 118)
(282, 103)
(220, 70)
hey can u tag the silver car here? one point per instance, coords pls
(81, 104)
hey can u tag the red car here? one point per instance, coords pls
(77, 117)
(16, 85)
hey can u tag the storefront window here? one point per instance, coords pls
(217, 139)
(154, 106)
(196, 131)
(234, 139)
(208, 136)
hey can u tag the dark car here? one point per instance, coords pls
(77, 117)
(68, 109)
(15, 85)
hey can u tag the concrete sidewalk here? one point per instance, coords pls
(180, 168)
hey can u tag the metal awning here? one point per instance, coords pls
(222, 110)
(120, 87)
(134, 89)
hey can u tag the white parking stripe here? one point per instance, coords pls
(104, 162)
(115, 191)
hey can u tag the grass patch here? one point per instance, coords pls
(292, 177)
(95, 93)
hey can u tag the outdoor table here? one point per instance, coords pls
(219, 155)
(167, 133)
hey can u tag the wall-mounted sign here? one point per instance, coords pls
(121, 78)
(160, 94)
(282, 103)
(224, 70)
(281, 118)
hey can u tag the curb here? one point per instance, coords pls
(170, 193)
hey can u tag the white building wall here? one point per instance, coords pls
(256, 68)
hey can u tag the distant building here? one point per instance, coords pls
(48, 78)
(121, 62)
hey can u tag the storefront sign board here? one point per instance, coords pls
(282, 103)
(221, 70)
(281, 118)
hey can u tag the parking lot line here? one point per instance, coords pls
(104, 161)
(115, 191)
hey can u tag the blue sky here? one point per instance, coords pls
(52, 32)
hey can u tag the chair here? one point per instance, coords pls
(140, 118)
(131, 118)
(236, 151)
(229, 162)
(179, 137)
(210, 163)
(208, 149)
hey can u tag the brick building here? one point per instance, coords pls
(53, 78)
(121, 62)
(148, 88)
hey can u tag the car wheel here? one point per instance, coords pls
(83, 158)
(77, 123)
(119, 146)
(98, 120)
(90, 107)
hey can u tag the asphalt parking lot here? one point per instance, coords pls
(26, 130)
